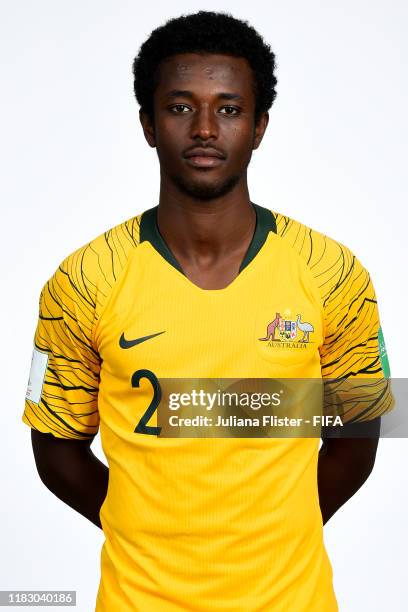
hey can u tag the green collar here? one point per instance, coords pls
(265, 223)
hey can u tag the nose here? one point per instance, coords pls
(204, 125)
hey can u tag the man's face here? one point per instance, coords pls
(204, 125)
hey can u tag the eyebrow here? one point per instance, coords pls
(185, 93)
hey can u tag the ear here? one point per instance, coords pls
(260, 128)
(148, 128)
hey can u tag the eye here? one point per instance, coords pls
(229, 110)
(180, 108)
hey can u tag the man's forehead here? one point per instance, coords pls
(189, 66)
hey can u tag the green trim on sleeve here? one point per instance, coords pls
(383, 354)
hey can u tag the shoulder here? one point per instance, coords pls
(334, 266)
(82, 282)
(313, 246)
(107, 253)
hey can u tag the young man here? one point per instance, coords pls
(202, 286)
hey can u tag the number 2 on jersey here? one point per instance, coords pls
(142, 426)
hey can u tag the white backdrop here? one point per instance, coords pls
(75, 163)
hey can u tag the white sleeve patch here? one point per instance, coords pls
(38, 368)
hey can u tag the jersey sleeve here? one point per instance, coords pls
(354, 361)
(62, 393)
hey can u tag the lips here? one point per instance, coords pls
(201, 157)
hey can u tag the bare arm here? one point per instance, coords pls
(71, 471)
(344, 465)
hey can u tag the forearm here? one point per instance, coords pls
(76, 476)
(83, 488)
(343, 467)
(337, 483)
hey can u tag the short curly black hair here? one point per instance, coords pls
(205, 32)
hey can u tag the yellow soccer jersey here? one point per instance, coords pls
(227, 524)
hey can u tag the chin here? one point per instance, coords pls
(206, 190)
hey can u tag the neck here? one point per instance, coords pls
(203, 232)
